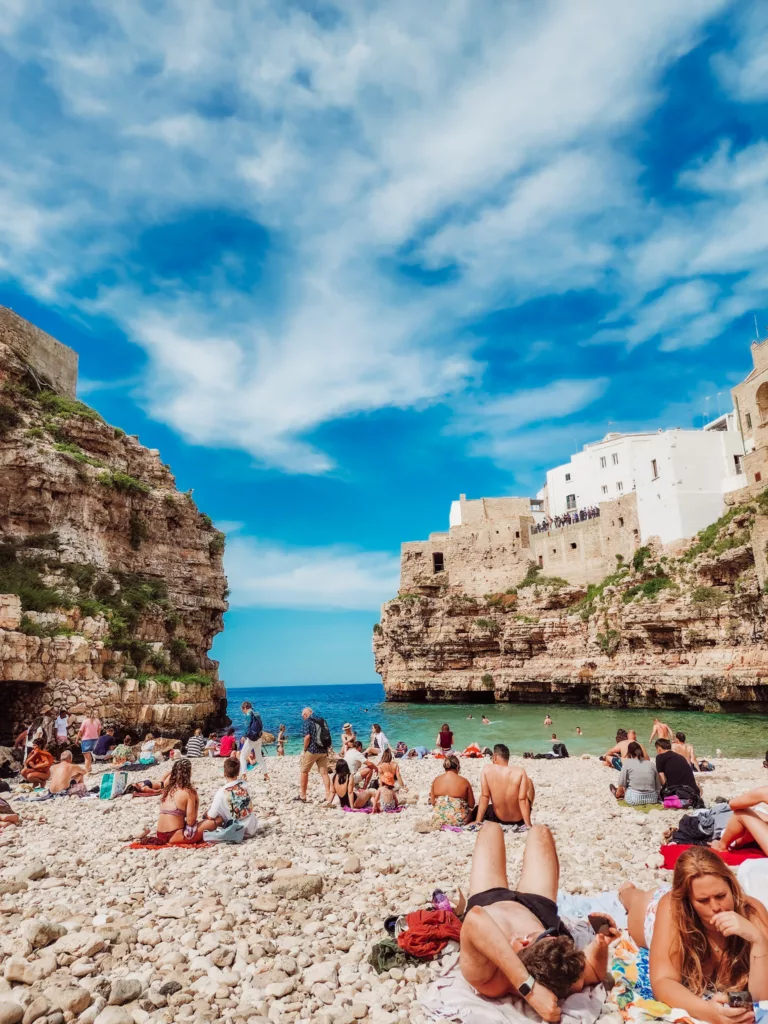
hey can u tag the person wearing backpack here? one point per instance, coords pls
(317, 747)
(252, 733)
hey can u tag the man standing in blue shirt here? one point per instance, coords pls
(317, 747)
(252, 733)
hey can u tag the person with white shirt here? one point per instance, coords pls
(358, 766)
(61, 727)
(232, 802)
(379, 742)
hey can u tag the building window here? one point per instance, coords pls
(541, 561)
(517, 534)
(604, 488)
(758, 477)
(615, 459)
(567, 476)
(621, 521)
(438, 562)
(602, 462)
(570, 501)
(619, 486)
(573, 545)
(739, 468)
(654, 469)
(748, 418)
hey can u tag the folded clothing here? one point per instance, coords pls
(673, 851)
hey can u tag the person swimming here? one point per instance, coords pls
(486, 721)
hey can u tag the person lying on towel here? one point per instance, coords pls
(513, 942)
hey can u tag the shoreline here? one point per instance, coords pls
(226, 924)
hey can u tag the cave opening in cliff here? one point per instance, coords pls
(22, 701)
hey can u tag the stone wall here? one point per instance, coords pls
(44, 354)
(585, 552)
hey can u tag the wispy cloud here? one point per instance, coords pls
(479, 139)
(268, 575)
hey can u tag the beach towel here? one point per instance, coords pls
(632, 995)
(474, 827)
(429, 932)
(643, 808)
(147, 844)
(450, 997)
(671, 853)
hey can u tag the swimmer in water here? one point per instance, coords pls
(468, 717)
(486, 721)
(578, 731)
(547, 719)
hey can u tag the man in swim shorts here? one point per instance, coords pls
(507, 792)
(513, 941)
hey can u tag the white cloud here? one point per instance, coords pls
(490, 136)
(268, 575)
(745, 71)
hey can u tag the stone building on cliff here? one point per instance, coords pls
(111, 580)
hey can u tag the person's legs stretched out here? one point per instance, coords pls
(541, 868)
(489, 860)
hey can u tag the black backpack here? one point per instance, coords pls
(321, 734)
(560, 749)
(255, 727)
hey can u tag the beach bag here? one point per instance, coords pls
(255, 727)
(321, 734)
(559, 750)
(673, 801)
(112, 785)
(232, 832)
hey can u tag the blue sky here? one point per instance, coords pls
(341, 262)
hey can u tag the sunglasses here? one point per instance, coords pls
(550, 933)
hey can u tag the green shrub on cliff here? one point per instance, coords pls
(124, 482)
(9, 418)
(59, 405)
(534, 578)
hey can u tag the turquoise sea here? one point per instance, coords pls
(520, 726)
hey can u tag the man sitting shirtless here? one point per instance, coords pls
(64, 773)
(506, 791)
(513, 941)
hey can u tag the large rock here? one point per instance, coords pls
(124, 990)
(32, 871)
(115, 1015)
(68, 998)
(20, 970)
(82, 943)
(36, 1009)
(10, 1012)
(40, 932)
(297, 886)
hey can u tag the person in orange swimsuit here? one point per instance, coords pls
(389, 775)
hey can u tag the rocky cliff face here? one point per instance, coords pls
(113, 579)
(684, 632)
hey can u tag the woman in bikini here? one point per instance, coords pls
(178, 810)
(451, 795)
(343, 787)
(389, 775)
(706, 937)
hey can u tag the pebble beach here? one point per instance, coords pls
(278, 929)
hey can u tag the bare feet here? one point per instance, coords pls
(718, 844)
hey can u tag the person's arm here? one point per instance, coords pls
(482, 941)
(306, 741)
(522, 799)
(755, 930)
(666, 980)
(485, 799)
(655, 733)
(400, 778)
(191, 808)
(432, 793)
(749, 799)
(470, 795)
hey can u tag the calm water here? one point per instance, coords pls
(519, 726)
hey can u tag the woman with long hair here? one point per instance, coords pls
(639, 781)
(451, 795)
(706, 936)
(444, 741)
(343, 787)
(389, 776)
(178, 808)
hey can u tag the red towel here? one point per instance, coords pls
(429, 931)
(672, 852)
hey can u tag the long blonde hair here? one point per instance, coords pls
(690, 944)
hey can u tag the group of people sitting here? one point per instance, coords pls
(707, 939)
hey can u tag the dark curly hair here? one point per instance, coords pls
(555, 963)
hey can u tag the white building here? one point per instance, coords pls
(680, 476)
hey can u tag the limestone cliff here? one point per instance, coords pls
(113, 579)
(683, 632)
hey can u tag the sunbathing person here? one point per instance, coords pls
(177, 822)
(615, 756)
(37, 767)
(389, 775)
(8, 816)
(706, 936)
(513, 941)
(746, 825)
(451, 795)
(639, 781)
(507, 793)
(64, 773)
(343, 787)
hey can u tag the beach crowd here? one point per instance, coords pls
(707, 939)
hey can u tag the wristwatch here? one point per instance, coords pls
(527, 985)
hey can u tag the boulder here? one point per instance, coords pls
(124, 990)
(37, 1008)
(115, 1015)
(68, 998)
(10, 1012)
(20, 970)
(32, 872)
(40, 932)
(297, 886)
